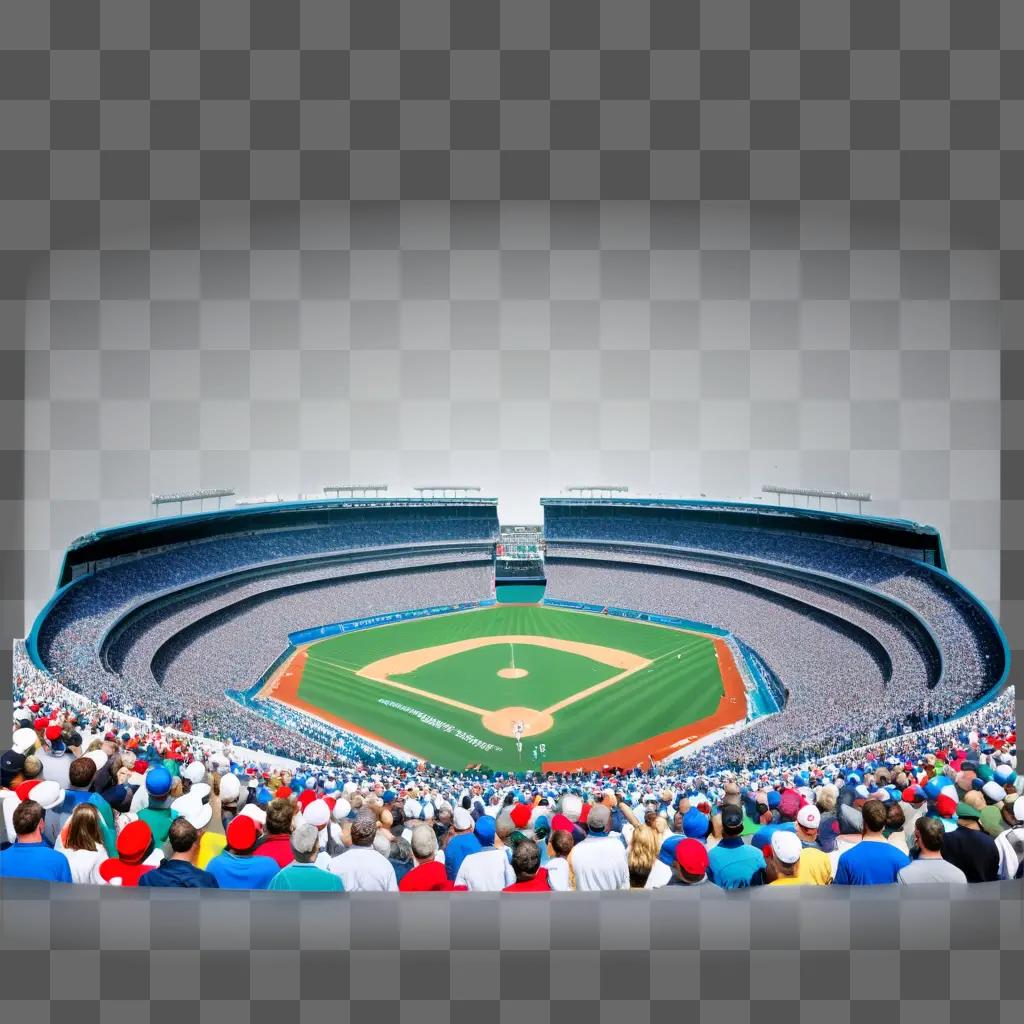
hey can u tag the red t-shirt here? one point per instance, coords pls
(429, 877)
(539, 883)
(276, 847)
(129, 874)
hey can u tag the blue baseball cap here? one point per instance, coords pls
(484, 830)
(158, 781)
(696, 824)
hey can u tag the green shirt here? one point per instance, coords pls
(159, 821)
(306, 878)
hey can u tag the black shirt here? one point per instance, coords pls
(974, 852)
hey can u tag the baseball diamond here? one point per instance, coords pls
(451, 689)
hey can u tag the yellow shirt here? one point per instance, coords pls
(788, 880)
(210, 844)
(815, 867)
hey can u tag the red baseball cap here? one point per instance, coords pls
(946, 806)
(133, 841)
(520, 815)
(283, 793)
(692, 857)
(241, 833)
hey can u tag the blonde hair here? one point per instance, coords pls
(643, 850)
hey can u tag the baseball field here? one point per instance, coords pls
(518, 687)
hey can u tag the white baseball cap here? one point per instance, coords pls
(24, 741)
(195, 771)
(808, 816)
(786, 846)
(317, 813)
(193, 810)
(462, 819)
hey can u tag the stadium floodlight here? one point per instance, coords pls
(180, 497)
(808, 492)
(597, 490)
(356, 490)
(441, 491)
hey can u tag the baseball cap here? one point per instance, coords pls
(24, 741)
(945, 806)
(195, 771)
(732, 820)
(964, 810)
(599, 818)
(230, 788)
(11, 763)
(808, 816)
(241, 833)
(317, 813)
(485, 830)
(258, 815)
(786, 846)
(695, 824)
(789, 803)
(191, 807)
(48, 794)
(462, 819)
(134, 841)
(692, 857)
(158, 781)
(1018, 808)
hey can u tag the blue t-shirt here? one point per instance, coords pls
(870, 863)
(732, 864)
(34, 860)
(178, 874)
(458, 849)
(234, 872)
(763, 836)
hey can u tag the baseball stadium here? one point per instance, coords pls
(620, 634)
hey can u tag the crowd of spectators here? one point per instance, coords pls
(167, 634)
(87, 800)
(969, 641)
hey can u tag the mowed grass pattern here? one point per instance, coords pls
(681, 685)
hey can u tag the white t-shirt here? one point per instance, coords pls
(599, 864)
(362, 869)
(558, 874)
(85, 865)
(1008, 859)
(486, 871)
(661, 874)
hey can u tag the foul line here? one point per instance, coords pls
(409, 689)
(598, 687)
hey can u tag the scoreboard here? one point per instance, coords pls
(519, 553)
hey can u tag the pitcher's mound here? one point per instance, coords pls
(501, 721)
(512, 673)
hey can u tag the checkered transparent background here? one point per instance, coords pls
(679, 245)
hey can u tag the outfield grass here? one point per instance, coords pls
(682, 684)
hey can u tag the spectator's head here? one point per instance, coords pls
(691, 861)
(808, 818)
(33, 767)
(895, 819)
(364, 829)
(241, 835)
(462, 820)
(572, 807)
(732, 821)
(643, 850)
(423, 843)
(526, 860)
(83, 829)
(786, 852)
(28, 821)
(598, 820)
(485, 830)
(382, 842)
(305, 843)
(183, 837)
(930, 833)
(874, 814)
(280, 814)
(560, 843)
(12, 765)
(135, 842)
(968, 816)
(81, 772)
